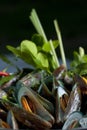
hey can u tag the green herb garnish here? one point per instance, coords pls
(39, 52)
(79, 62)
(60, 42)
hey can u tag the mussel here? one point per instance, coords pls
(82, 82)
(61, 99)
(12, 121)
(28, 118)
(33, 79)
(74, 102)
(58, 73)
(72, 121)
(31, 104)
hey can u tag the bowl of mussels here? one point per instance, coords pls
(48, 95)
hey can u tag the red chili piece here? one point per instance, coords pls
(4, 73)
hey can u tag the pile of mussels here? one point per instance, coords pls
(41, 101)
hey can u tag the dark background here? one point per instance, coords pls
(15, 25)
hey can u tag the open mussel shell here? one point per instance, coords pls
(12, 121)
(82, 83)
(29, 119)
(45, 88)
(35, 105)
(45, 103)
(33, 79)
(58, 112)
(61, 97)
(72, 121)
(74, 102)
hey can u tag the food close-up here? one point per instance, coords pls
(48, 95)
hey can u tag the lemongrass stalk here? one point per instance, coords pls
(37, 24)
(54, 54)
(60, 42)
(33, 19)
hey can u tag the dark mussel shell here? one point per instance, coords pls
(30, 119)
(72, 121)
(74, 102)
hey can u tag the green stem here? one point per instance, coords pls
(37, 24)
(54, 54)
(60, 42)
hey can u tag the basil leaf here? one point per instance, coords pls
(47, 48)
(29, 47)
(38, 39)
(27, 58)
(16, 51)
(43, 59)
(84, 58)
(23, 55)
(81, 69)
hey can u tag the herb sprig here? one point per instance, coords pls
(37, 24)
(39, 52)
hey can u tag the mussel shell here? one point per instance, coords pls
(74, 102)
(38, 107)
(12, 121)
(58, 111)
(29, 119)
(72, 121)
(60, 92)
(32, 79)
(82, 84)
(46, 103)
(59, 71)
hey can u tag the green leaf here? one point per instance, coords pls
(79, 58)
(47, 48)
(15, 51)
(29, 47)
(25, 55)
(79, 62)
(76, 59)
(38, 39)
(52, 65)
(43, 60)
(55, 43)
(84, 58)
(81, 69)
(27, 58)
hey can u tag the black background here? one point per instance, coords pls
(15, 25)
